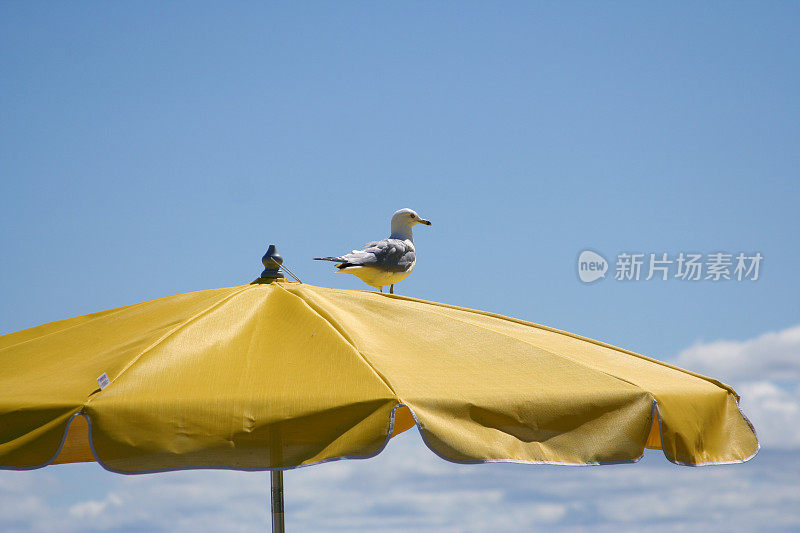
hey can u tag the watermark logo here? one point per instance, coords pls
(684, 266)
(591, 266)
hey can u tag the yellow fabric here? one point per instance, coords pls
(285, 374)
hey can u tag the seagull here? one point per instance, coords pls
(388, 261)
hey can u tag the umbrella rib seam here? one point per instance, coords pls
(172, 332)
(562, 332)
(112, 313)
(529, 343)
(653, 401)
(340, 330)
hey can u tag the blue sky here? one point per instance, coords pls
(152, 149)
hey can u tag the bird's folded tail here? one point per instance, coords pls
(342, 263)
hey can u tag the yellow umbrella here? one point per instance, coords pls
(279, 374)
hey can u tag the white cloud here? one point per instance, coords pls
(774, 355)
(765, 371)
(774, 411)
(94, 508)
(549, 512)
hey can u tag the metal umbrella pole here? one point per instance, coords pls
(276, 446)
(277, 501)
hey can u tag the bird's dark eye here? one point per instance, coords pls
(413, 216)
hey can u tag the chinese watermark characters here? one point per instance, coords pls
(684, 266)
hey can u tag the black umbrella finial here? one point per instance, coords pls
(272, 261)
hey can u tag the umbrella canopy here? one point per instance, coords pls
(278, 374)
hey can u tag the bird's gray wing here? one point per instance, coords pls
(392, 255)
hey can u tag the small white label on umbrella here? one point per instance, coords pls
(103, 381)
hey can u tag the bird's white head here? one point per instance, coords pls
(402, 222)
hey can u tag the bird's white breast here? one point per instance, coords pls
(377, 277)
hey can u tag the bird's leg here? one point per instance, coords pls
(391, 289)
(380, 288)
